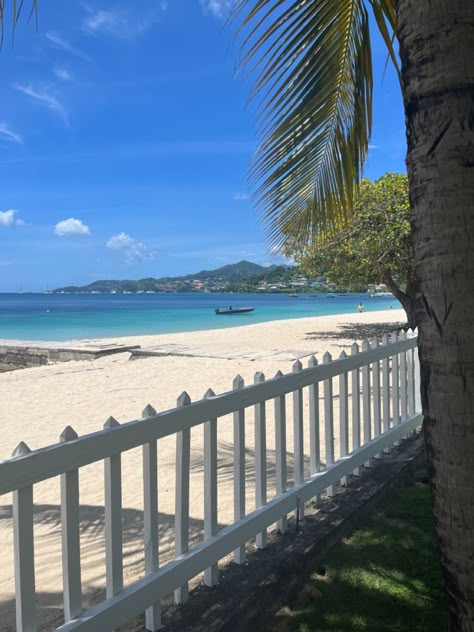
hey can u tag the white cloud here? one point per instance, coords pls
(43, 96)
(118, 23)
(57, 41)
(131, 249)
(217, 8)
(240, 197)
(62, 73)
(374, 147)
(6, 133)
(71, 227)
(8, 219)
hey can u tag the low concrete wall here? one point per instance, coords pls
(25, 356)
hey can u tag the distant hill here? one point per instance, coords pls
(210, 279)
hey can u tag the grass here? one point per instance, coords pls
(384, 578)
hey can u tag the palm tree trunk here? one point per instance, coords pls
(437, 50)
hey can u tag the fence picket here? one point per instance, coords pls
(298, 449)
(280, 452)
(411, 377)
(386, 390)
(210, 488)
(150, 518)
(70, 536)
(239, 467)
(260, 460)
(113, 519)
(418, 403)
(23, 547)
(355, 405)
(403, 380)
(183, 456)
(343, 415)
(329, 422)
(314, 449)
(366, 401)
(395, 385)
(377, 392)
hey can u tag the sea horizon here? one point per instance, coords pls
(62, 317)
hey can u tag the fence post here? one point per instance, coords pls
(183, 456)
(71, 554)
(343, 415)
(23, 545)
(314, 439)
(239, 467)
(260, 460)
(355, 405)
(210, 488)
(298, 448)
(150, 518)
(280, 451)
(366, 401)
(113, 519)
(328, 421)
(386, 389)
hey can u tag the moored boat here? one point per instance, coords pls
(234, 310)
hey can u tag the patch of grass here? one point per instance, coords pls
(384, 578)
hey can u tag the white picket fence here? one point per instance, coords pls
(384, 378)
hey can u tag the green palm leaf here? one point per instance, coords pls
(311, 65)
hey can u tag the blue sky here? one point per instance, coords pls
(125, 141)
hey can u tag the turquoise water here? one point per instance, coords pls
(73, 316)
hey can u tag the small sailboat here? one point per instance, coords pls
(233, 310)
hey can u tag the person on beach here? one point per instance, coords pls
(361, 308)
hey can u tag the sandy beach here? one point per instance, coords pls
(37, 404)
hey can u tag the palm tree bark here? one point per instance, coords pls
(437, 51)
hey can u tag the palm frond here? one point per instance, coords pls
(311, 66)
(16, 10)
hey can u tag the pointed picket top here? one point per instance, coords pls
(374, 343)
(148, 411)
(403, 335)
(297, 366)
(259, 377)
(354, 348)
(238, 382)
(385, 340)
(21, 449)
(312, 361)
(68, 434)
(111, 423)
(393, 337)
(343, 355)
(278, 374)
(209, 393)
(365, 345)
(183, 399)
(327, 357)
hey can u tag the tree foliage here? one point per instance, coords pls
(374, 247)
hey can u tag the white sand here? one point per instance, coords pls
(37, 404)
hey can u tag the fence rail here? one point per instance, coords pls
(390, 410)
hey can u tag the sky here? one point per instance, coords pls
(125, 142)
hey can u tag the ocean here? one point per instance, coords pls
(73, 316)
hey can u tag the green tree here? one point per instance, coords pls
(313, 79)
(374, 246)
